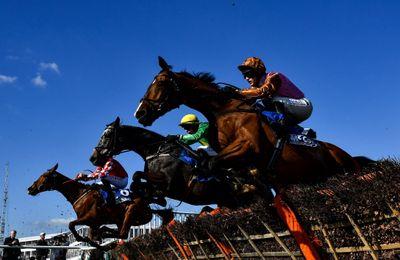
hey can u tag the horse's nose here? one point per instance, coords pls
(140, 113)
(138, 108)
(92, 159)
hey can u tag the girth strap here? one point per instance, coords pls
(157, 155)
(82, 196)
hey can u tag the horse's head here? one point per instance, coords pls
(108, 145)
(161, 96)
(47, 181)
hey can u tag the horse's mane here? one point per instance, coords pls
(209, 79)
(145, 133)
(206, 77)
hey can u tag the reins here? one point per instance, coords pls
(56, 186)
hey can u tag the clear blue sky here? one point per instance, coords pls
(69, 67)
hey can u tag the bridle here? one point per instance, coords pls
(161, 103)
(53, 183)
(110, 151)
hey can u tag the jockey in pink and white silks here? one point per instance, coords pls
(274, 88)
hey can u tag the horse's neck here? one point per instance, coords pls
(141, 142)
(203, 98)
(71, 189)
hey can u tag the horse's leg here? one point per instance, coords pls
(94, 234)
(72, 225)
(233, 151)
(166, 215)
(129, 217)
(127, 223)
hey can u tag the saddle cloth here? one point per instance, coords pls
(185, 157)
(121, 196)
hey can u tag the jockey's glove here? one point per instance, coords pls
(81, 176)
(231, 91)
(172, 138)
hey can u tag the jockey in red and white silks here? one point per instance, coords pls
(112, 172)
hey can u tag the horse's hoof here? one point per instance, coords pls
(247, 188)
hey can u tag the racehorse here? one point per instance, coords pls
(238, 132)
(89, 207)
(167, 166)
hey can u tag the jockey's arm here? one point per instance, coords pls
(101, 171)
(267, 89)
(190, 139)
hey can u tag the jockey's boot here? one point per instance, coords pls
(160, 201)
(247, 188)
(241, 186)
(110, 193)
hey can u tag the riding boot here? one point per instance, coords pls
(160, 201)
(280, 142)
(110, 193)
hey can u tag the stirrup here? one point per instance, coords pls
(280, 142)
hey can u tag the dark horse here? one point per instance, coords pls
(164, 168)
(237, 131)
(89, 207)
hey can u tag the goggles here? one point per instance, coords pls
(250, 74)
(188, 126)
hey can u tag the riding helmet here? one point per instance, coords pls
(189, 119)
(254, 64)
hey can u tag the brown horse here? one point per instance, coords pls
(89, 207)
(237, 131)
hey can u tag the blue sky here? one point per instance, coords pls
(67, 68)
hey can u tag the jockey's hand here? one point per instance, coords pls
(81, 176)
(172, 138)
(232, 91)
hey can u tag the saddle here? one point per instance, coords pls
(296, 134)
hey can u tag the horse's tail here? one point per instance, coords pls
(364, 161)
(166, 215)
(342, 158)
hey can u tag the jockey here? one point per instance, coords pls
(112, 175)
(276, 92)
(196, 132)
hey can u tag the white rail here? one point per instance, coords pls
(50, 247)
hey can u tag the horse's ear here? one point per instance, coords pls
(117, 121)
(54, 168)
(163, 64)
